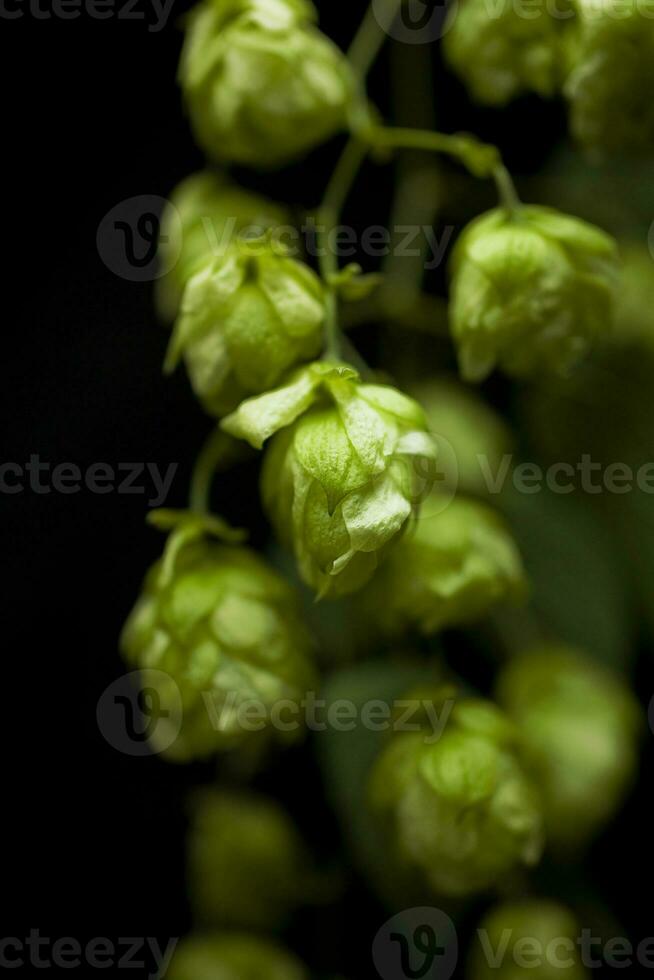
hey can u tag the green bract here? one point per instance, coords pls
(532, 291)
(579, 725)
(341, 480)
(451, 568)
(223, 629)
(471, 437)
(204, 214)
(247, 865)
(537, 939)
(460, 808)
(261, 83)
(501, 50)
(237, 956)
(612, 75)
(245, 319)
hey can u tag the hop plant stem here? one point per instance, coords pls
(481, 159)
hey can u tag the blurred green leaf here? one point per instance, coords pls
(577, 578)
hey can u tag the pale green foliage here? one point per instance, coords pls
(532, 292)
(451, 568)
(460, 809)
(340, 480)
(246, 318)
(261, 83)
(225, 629)
(247, 865)
(502, 49)
(538, 939)
(579, 724)
(612, 75)
(204, 213)
(233, 956)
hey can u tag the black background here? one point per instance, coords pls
(93, 839)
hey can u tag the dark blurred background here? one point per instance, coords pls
(91, 117)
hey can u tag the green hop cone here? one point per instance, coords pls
(532, 291)
(530, 938)
(233, 956)
(247, 865)
(224, 629)
(610, 84)
(262, 84)
(345, 473)
(579, 725)
(501, 50)
(472, 439)
(451, 568)
(459, 807)
(204, 213)
(244, 320)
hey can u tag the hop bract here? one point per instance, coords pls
(579, 725)
(204, 214)
(244, 320)
(261, 83)
(612, 75)
(502, 50)
(247, 864)
(345, 473)
(460, 808)
(548, 931)
(532, 291)
(233, 956)
(449, 569)
(225, 631)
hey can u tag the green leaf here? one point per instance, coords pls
(575, 573)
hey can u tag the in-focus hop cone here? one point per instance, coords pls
(245, 319)
(223, 631)
(532, 292)
(340, 478)
(205, 214)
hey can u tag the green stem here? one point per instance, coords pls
(506, 188)
(218, 452)
(481, 159)
(329, 214)
(363, 51)
(372, 33)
